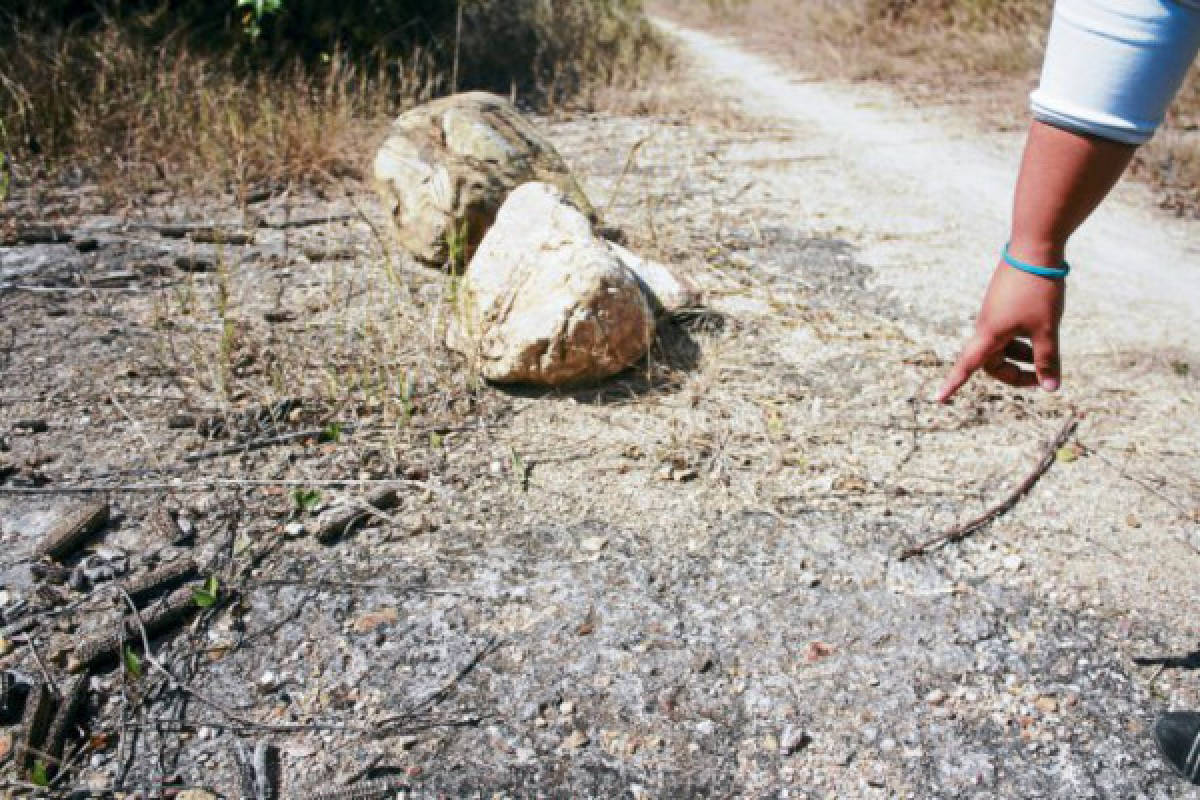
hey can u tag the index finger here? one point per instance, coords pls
(978, 349)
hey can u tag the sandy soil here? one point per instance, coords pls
(683, 583)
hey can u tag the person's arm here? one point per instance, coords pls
(1063, 177)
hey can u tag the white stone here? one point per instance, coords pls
(666, 291)
(574, 741)
(268, 681)
(594, 544)
(544, 301)
(792, 739)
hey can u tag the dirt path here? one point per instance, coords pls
(927, 199)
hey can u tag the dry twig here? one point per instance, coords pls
(39, 706)
(174, 609)
(266, 771)
(305, 222)
(206, 485)
(338, 521)
(168, 576)
(69, 705)
(69, 533)
(367, 790)
(960, 532)
(8, 686)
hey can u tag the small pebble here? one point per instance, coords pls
(574, 741)
(792, 740)
(594, 544)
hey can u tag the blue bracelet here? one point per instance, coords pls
(1054, 273)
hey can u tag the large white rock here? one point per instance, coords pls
(448, 165)
(545, 301)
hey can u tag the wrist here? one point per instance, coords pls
(1040, 253)
(1056, 271)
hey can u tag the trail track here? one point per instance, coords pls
(927, 198)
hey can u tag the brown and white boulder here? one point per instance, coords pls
(545, 301)
(447, 166)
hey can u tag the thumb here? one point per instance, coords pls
(1046, 361)
(977, 350)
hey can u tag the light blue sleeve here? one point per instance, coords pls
(1113, 66)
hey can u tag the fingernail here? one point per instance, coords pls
(1050, 384)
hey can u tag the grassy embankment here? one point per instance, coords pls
(183, 95)
(984, 54)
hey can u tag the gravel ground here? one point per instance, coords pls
(682, 583)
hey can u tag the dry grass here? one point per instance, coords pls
(984, 54)
(923, 44)
(564, 53)
(147, 116)
(1172, 158)
(351, 338)
(131, 107)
